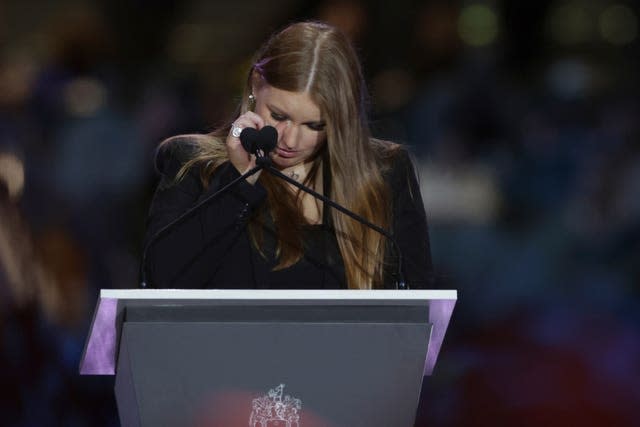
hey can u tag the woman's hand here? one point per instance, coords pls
(238, 156)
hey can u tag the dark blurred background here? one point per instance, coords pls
(524, 119)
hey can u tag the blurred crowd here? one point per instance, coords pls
(524, 121)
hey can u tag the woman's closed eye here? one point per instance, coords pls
(278, 117)
(315, 126)
(318, 127)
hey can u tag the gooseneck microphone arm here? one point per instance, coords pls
(188, 213)
(400, 283)
(260, 143)
(254, 141)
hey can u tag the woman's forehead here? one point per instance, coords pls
(298, 105)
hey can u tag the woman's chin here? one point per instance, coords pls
(283, 163)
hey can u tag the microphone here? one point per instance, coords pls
(400, 282)
(254, 140)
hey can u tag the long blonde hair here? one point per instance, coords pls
(319, 59)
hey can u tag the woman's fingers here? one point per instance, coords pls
(248, 119)
(238, 156)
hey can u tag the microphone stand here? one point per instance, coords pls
(260, 164)
(265, 162)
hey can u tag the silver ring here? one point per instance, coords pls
(236, 130)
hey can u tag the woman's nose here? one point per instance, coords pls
(286, 133)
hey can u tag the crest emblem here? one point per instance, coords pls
(275, 410)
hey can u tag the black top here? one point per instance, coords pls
(212, 248)
(321, 266)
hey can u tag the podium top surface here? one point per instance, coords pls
(278, 294)
(100, 353)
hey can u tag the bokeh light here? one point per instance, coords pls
(478, 25)
(84, 97)
(570, 24)
(12, 174)
(618, 25)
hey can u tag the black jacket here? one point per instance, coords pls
(212, 249)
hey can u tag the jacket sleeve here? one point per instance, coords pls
(186, 253)
(410, 224)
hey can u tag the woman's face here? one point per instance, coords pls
(300, 126)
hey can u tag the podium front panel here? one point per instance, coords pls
(211, 374)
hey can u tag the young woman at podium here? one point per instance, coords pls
(264, 232)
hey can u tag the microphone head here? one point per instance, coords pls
(248, 139)
(268, 138)
(264, 139)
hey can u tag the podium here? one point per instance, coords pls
(267, 358)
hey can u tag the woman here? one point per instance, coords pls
(306, 82)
